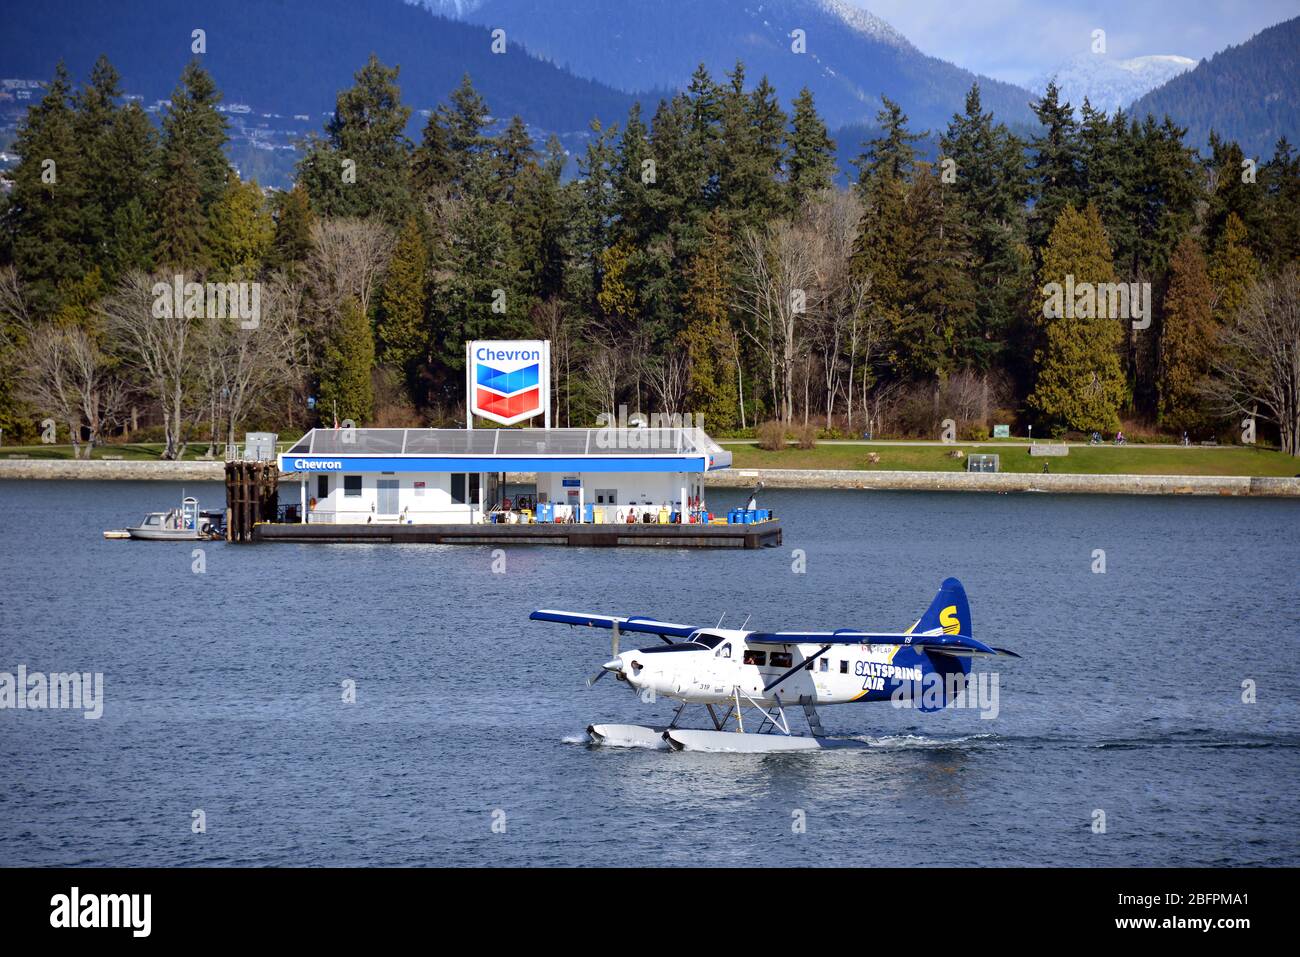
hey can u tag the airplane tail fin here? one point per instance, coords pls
(949, 611)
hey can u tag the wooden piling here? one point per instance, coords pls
(252, 496)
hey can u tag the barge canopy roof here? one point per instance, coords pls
(506, 450)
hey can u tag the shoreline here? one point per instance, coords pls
(1000, 482)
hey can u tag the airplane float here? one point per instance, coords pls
(733, 670)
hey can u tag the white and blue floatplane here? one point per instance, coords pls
(732, 671)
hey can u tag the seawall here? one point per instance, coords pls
(112, 469)
(1011, 482)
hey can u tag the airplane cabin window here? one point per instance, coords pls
(825, 664)
(844, 667)
(782, 659)
(753, 657)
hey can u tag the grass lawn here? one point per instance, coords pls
(1087, 460)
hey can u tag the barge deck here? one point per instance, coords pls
(757, 535)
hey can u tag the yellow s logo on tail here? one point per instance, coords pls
(948, 618)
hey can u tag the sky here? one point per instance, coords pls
(1022, 40)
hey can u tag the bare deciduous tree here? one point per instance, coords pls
(551, 321)
(667, 378)
(604, 371)
(162, 351)
(348, 256)
(1257, 373)
(15, 314)
(778, 272)
(65, 375)
(241, 369)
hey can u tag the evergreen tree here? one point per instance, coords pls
(242, 231)
(752, 153)
(938, 331)
(811, 167)
(990, 180)
(128, 165)
(345, 384)
(402, 326)
(455, 145)
(539, 227)
(591, 202)
(1105, 170)
(1054, 169)
(292, 242)
(512, 153)
(362, 167)
(1187, 339)
(890, 155)
(1232, 268)
(1080, 379)
(706, 336)
(95, 119)
(1234, 193)
(881, 250)
(1164, 188)
(182, 237)
(46, 215)
(193, 126)
(1280, 177)
(634, 178)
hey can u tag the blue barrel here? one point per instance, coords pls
(545, 512)
(589, 513)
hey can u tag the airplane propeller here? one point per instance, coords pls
(613, 664)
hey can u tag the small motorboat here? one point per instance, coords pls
(184, 524)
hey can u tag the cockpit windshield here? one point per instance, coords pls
(705, 639)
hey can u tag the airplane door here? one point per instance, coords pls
(724, 670)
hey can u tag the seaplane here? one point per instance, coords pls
(732, 672)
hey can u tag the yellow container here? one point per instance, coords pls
(663, 516)
(527, 518)
(598, 514)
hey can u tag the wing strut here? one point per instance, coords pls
(797, 668)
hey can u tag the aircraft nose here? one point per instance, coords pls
(614, 664)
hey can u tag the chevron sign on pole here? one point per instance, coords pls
(509, 381)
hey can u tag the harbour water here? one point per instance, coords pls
(225, 673)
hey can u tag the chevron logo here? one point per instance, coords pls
(507, 396)
(512, 407)
(498, 380)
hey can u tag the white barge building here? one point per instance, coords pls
(601, 486)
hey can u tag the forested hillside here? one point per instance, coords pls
(702, 261)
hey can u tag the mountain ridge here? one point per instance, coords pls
(1248, 92)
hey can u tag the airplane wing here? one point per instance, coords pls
(931, 642)
(650, 626)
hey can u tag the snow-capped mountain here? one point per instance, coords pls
(1110, 83)
(866, 23)
(847, 56)
(448, 8)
